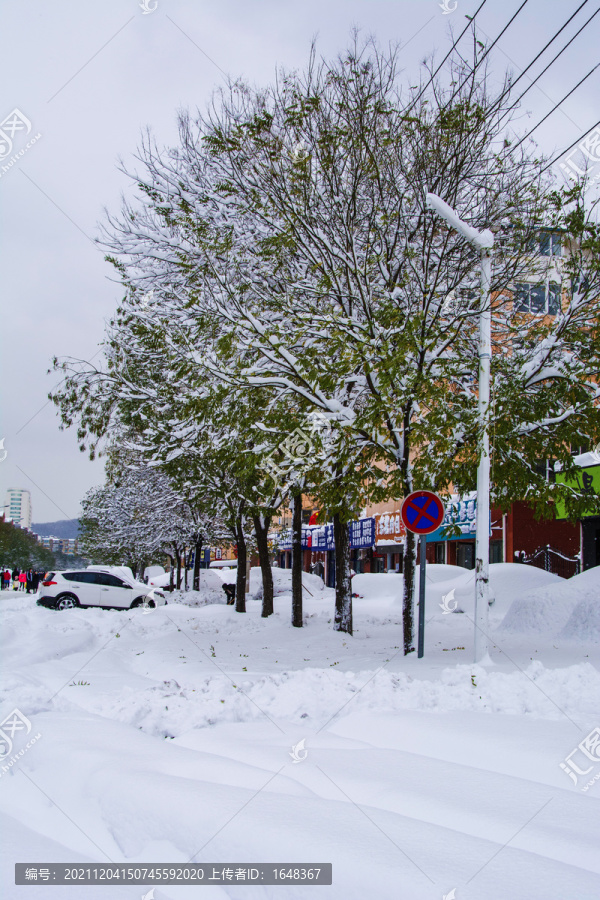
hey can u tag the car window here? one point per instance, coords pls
(108, 580)
(86, 577)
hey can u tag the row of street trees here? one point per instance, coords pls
(20, 549)
(281, 263)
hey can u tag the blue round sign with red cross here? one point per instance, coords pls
(422, 512)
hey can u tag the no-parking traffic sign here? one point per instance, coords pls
(422, 512)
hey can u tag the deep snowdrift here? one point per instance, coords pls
(570, 607)
(168, 734)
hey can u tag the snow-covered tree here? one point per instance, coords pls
(303, 208)
(286, 247)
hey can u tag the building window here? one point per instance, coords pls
(440, 553)
(550, 244)
(465, 555)
(545, 468)
(537, 298)
(496, 551)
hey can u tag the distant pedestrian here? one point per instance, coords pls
(15, 575)
(22, 581)
(229, 593)
(35, 582)
(29, 580)
(6, 579)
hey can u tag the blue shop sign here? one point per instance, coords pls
(461, 512)
(322, 538)
(362, 533)
(285, 540)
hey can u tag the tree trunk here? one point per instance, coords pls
(171, 570)
(197, 558)
(242, 555)
(261, 527)
(343, 581)
(297, 561)
(178, 557)
(187, 559)
(408, 599)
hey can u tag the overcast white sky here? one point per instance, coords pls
(90, 75)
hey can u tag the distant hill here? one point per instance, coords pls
(64, 528)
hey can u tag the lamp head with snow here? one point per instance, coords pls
(483, 240)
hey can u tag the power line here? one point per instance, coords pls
(555, 107)
(492, 45)
(448, 54)
(510, 149)
(570, 147)
(553, 60)
(551, 41)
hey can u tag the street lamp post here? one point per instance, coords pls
(484, 241)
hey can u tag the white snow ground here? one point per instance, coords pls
(167, 735)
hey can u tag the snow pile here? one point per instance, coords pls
(282, 582)
(159, 580)
(378, 586)
(211, 589)
(171, 709)
(153, 572)
(389, 585)
(567, 606)
(212, 581)
(584, 621)
(508, 582)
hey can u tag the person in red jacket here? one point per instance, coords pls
(6, 579)
(22, 581)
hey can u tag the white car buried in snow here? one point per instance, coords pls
(103, 586)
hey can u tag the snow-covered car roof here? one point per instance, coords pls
(123, 572)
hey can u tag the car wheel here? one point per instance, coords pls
(67, 601)
(143, 601)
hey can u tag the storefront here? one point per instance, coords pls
(588, 482)
(362, 541)
(453, 542)
(323, 554)
(389, 541)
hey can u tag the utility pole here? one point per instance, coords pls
(484, 241)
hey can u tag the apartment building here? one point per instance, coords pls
(17, 507)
